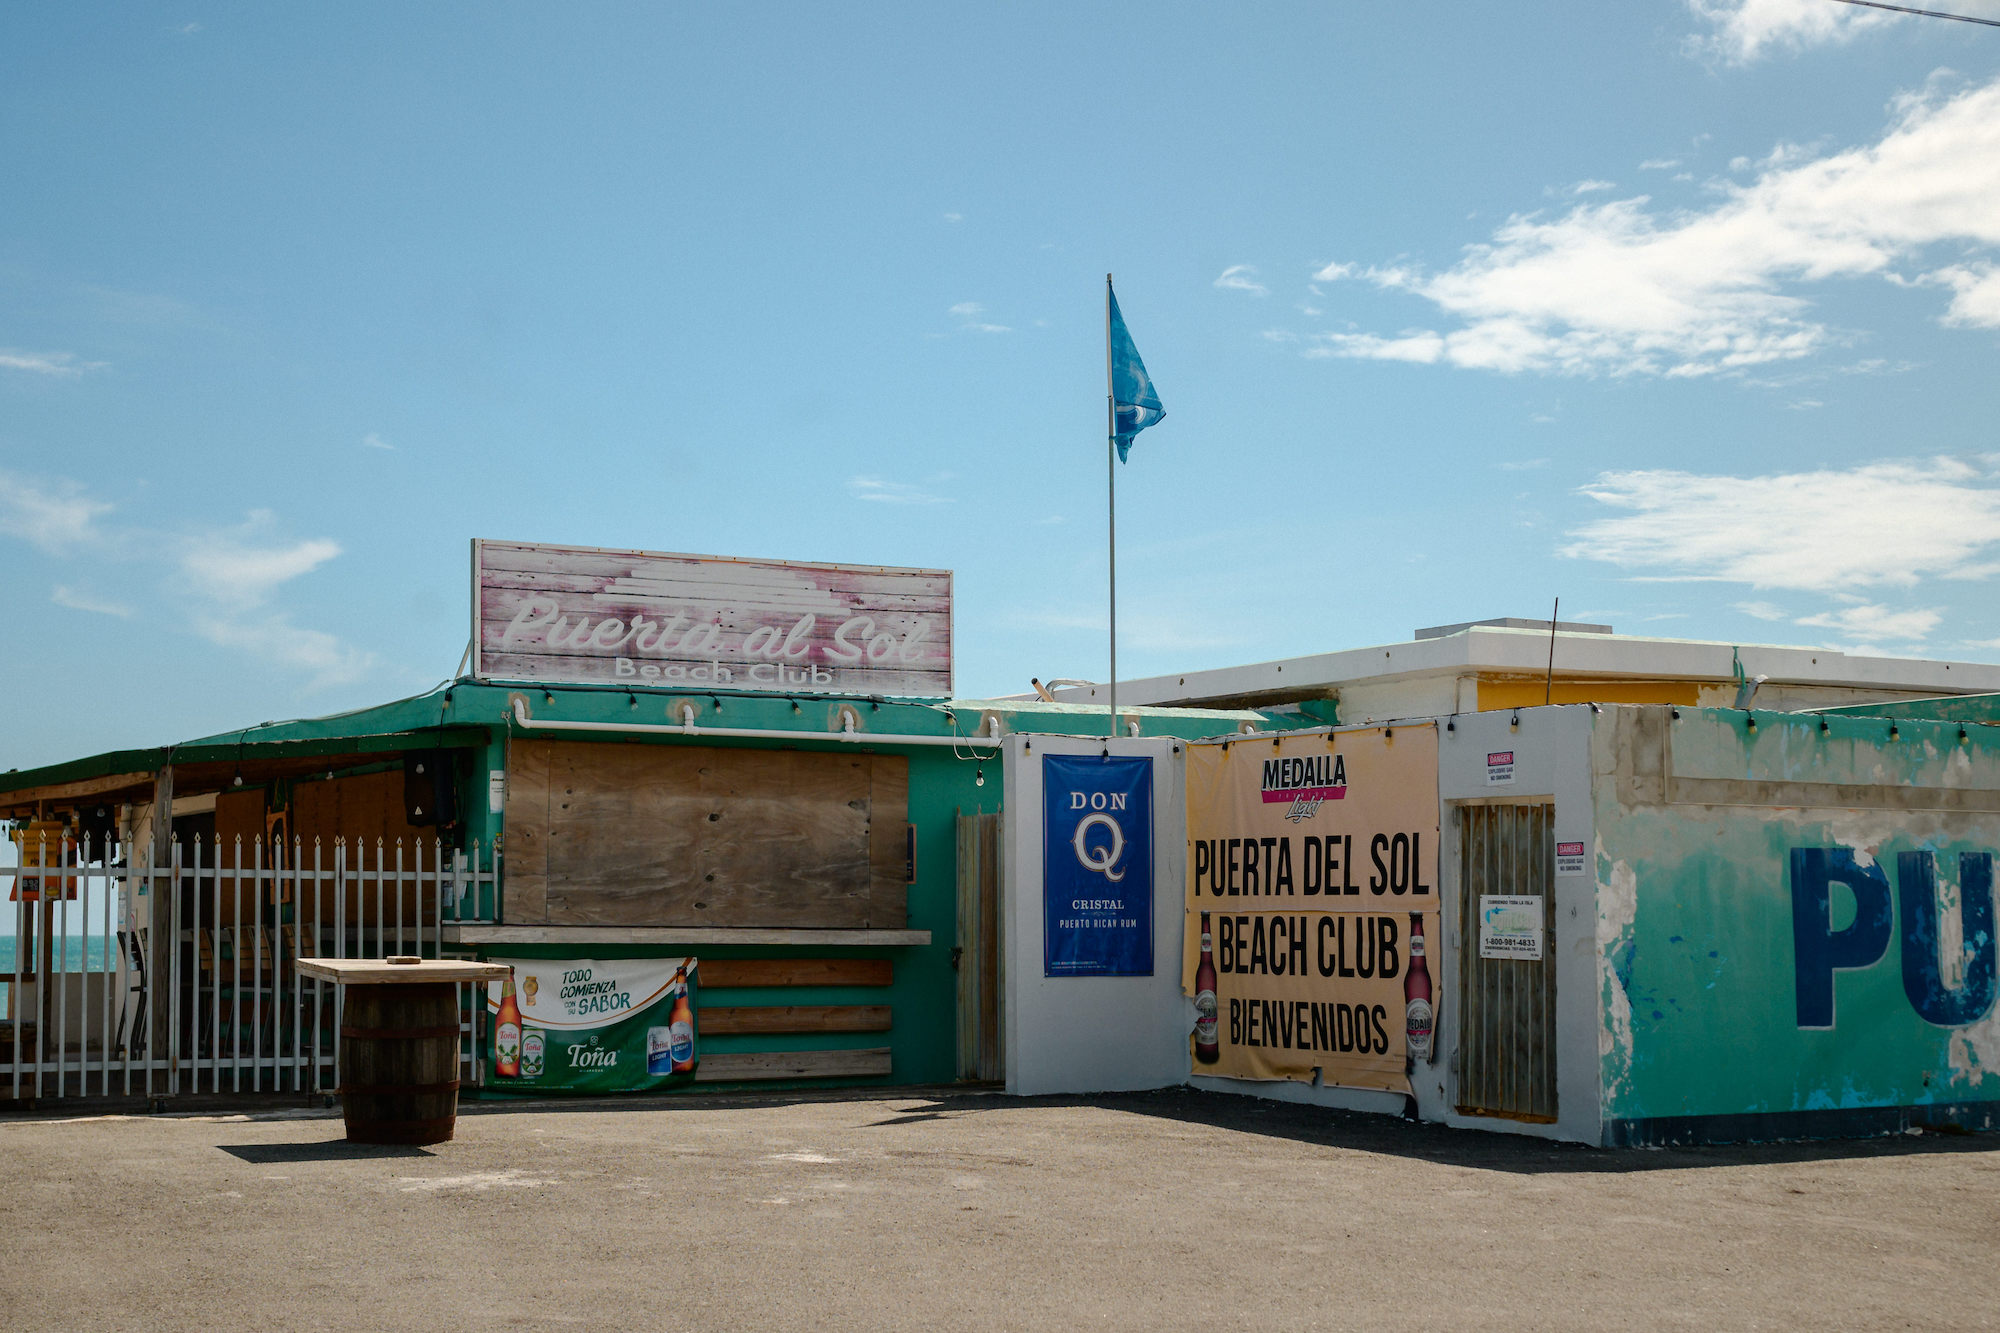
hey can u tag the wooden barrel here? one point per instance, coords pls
(399, 1063)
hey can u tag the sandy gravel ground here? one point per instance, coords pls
(1176, 1210)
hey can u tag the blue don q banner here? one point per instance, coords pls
(1097, 866)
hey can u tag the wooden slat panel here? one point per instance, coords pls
(725, 973)
(527, 834)
(888, 839)
(239, 815)
(706, 837)
(979, 1047)
(737, 1021)
(743, 1066)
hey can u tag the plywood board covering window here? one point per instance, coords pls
(645, 835)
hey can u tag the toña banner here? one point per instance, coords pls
(586, 1025)
(1097, 866)
(1311, 898)
(586, 615)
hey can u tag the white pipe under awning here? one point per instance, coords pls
(748, 733)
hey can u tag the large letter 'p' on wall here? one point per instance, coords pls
(1819, 950)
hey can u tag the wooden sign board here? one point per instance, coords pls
(586, 615)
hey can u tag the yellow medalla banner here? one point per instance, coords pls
(1311, 900)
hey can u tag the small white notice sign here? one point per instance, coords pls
(1499, 768)
(1510, 927)
(496, 790)
(1570, 859)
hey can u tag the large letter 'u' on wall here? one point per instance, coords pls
(1923, 980)
(1818, 949)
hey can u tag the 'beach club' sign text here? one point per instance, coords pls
(585, 615)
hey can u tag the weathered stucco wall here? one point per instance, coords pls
(1795, 923)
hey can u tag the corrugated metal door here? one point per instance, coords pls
(977, 955)
(1507, 1026)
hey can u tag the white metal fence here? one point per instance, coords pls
(135, 979)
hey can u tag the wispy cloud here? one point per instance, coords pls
(373, 441)
(1590, 187)
(242, 567)
(1803, 531)
(1241, 278)
(1522, 464)
(1625, 288)
(1875, 623)
(1763, 611)
(276, 639)
(954, 217)
(63, 595)
(221, 583)
(878, 491)
(56, 516)
(45, 363)
(1659, 164)
(971, 318)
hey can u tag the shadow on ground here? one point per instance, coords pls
(325, 1150)
(1225, 1113)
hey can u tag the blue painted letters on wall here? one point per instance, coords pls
(1819, 950)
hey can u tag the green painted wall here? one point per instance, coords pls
(1699, 958)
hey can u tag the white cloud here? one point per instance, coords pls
(1879, 524)
(1622, 287)
(1522, 464)
(893, 492)
(63, 595)
(1976, 299)
(373, 441)
(55, 516)
(1740, 31)
(234, 568)
(1876, 623)
(1659, 164)
(1241, 278)
(1332, 273)
(1763, 610)
(966, 309)
(46, 363)
(275, 639)
(1592, 187)
(954, 217)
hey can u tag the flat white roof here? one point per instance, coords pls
(1498, 650)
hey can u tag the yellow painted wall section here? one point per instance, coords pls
(1525, 693)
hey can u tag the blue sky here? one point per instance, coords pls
(1685, 312)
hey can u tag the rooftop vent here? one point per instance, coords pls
(1512, 622)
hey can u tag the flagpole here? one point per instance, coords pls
(1111, 492)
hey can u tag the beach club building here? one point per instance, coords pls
(649, 759)
(726, 825)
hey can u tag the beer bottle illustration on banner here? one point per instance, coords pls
(507, 1031)
(1205, 1048)
(680, 1025)
(1419, 1015)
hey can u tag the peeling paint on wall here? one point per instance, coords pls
(1700, 944)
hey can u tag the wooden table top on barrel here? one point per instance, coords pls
(399, 971)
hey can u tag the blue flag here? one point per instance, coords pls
(1134, 403)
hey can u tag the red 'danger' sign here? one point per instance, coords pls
(586, 615)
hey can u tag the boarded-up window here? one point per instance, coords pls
(654, 835)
